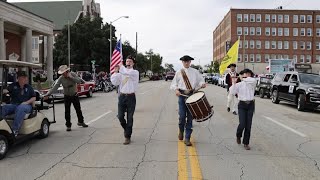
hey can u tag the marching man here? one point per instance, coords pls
(231, 79)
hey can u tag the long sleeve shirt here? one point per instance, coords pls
(244, 89)
(194, 76)
(126, 79)
(69, 84)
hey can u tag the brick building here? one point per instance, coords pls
(269, 34)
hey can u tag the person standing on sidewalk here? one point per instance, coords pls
(245, 91)
(231, 79)
(179, 86)
(127, 79)
(69, 81)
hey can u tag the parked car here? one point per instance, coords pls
(263, 87)
(303, 89)
(215, 79)
(155, 77)
(170, 76)
(84, 89)
(222, 81)
(208, 78)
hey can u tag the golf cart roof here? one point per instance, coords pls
(14, 63)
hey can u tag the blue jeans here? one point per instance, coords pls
(184, 114)
(20, 112)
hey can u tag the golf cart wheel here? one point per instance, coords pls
(3, 146)
(275, 97)
(301, 105)
(44, 130)
(90, 93)
(261, 93)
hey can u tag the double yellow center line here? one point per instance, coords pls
(185, 155)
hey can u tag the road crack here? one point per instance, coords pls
(299, 149)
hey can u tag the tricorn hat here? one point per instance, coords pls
(21, 73)
(62, 69)
(186, 58)
(232, 65)
(131, 57)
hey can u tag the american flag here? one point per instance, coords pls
(116, 56)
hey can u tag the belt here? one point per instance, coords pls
(186, 92)
(127, 94)
(247, 102)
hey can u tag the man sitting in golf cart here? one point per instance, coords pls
(22, 97)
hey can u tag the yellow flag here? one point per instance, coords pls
(231, 57)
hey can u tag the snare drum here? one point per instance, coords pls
(199, 107)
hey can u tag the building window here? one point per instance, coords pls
(35, 43)
(279, 44)
(318, 59)
(309, 18)
(251, 57)
(274, 31)
(309, 32)
(280, 18)
(273, 56)
(258, 58)
(246, 31)
(280, 56)
(258, 31)
(252, 18)
(245, 17)
(274, 45)
(266, 58)
(318, 18)
(286, 32)
(274, 18)
(286, 45)
(286, 18)
(267, 45)
(308, 59)
(258, 44)
(239, 17)
(267, 31)
(239, 57)
(295, 45)
(295, 58)
(258, 16)
(267, 18)
(280, 31)
(246, 44)
(252, 31)
(246, 57)
(302, 32)
(318, 32)
(302, 18)
(251, 44)
(317, 45)
(302, 45)
(295, 18)
(286, 56)
(301, 58)
(295, 32)
(309, 45)
(239, 30)
(240, 43)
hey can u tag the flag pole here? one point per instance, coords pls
(121, 49)
(238, 53)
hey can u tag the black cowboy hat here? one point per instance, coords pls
(186, 58)
(230, 65)
(21, 73)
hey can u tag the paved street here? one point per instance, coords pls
(284, 143)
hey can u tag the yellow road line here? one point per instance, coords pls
(194, 162)
(182, 162)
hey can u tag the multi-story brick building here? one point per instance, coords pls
(269, 34)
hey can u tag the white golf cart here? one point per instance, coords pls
(34, 124)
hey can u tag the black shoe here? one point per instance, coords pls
(180, 136)
(83, 125)
(228, 109)
(238, 140)
(127, 141)
(68, 128)
(187, 142)
(235, 113)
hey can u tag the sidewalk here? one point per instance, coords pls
(144, 80)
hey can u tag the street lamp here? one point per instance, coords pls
(111, 34)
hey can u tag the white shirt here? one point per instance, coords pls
(244, 89)
(195, 79)
(126, 79)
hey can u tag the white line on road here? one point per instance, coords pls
(286, 127)
(96, 119)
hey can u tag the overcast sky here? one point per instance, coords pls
(174, 28)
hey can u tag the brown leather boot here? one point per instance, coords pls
(180, 136)
(247, 147)
(238, 140)
(187, 142)
(127, 141)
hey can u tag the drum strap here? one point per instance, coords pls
(186, 80)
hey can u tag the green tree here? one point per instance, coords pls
(168, 67)
(216, 66)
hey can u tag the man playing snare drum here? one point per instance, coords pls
(182, 91)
